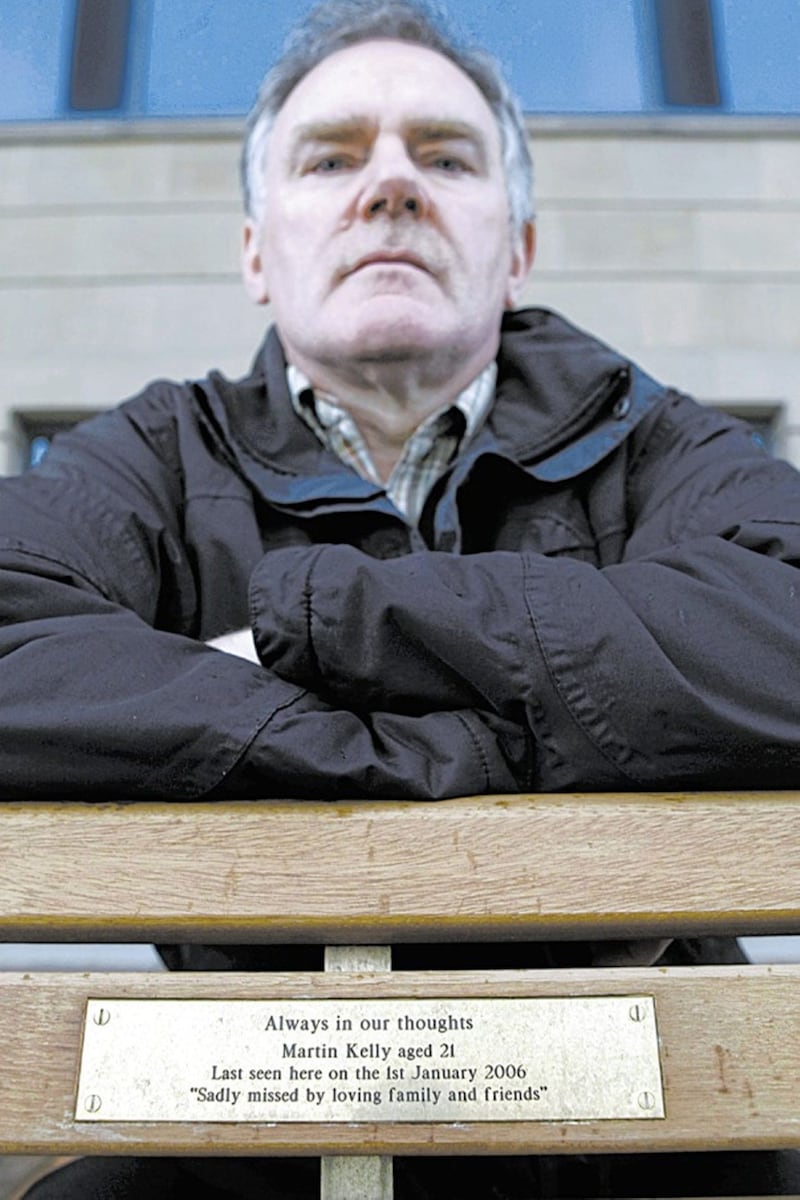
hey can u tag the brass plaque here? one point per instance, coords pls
(564, 1059)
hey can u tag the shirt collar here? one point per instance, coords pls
(321, 411)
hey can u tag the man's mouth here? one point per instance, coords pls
(389, 258)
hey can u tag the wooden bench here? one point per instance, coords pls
(360, 876)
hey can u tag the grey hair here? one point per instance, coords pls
(336, 24)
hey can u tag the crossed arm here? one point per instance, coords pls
(425, 676)
(678, 665)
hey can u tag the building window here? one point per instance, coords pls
(35, 432)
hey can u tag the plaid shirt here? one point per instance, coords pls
(426, 454)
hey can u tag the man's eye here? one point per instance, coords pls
(449, 163)
(331, 162)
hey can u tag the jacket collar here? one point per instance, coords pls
(551, 380)
(564, 401)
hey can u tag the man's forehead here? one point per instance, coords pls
(417, 84)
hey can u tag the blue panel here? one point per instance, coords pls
(562, 56)
(760, 54)
(209, 56)
(33, 48)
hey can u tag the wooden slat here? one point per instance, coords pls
(730, 1041)
(523, 867)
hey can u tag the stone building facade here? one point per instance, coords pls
(677, 242)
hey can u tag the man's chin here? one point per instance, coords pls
(396, 336)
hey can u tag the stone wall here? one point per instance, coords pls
(119, 261)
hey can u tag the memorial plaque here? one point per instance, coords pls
(562, 1059)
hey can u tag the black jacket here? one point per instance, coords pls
(602, 593)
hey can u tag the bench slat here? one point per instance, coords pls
(501, 868)
(730, 1078)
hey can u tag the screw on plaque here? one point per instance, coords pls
(647, 1101)
(637, 1012)
(93, 1104)
(102, 1016)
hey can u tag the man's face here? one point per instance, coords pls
(385, 232)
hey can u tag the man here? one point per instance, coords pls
(475, 549)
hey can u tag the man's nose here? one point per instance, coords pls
(394, 187)
(394, 203)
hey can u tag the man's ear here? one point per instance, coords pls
(252, 264)
(523, 252)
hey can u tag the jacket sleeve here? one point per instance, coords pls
(101, 697)
(679, 665)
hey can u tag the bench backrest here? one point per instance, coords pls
(483, 868)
